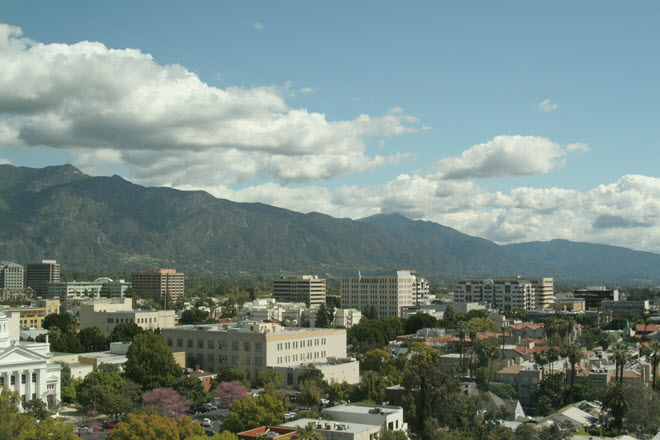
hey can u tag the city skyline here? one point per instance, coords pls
(515, 123)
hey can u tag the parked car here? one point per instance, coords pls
(207, 423)
(210, 407)
(83, 430)
(108, 425)
(209, 432)
(289, 416)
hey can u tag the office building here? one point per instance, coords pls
(108, 313)
(388, 291)
(595, 295)
(544, 291)
(40, 274)
(11, 275)
(158, 284)
(255, 346)
(32, 316)
(505, 294)
(309, 289)
(421, 292)
(100, 287)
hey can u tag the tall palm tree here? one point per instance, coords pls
(654, 356)
(472, 360)
(462, 332)
(616, 401)
(621, 356)
(541, 358)
(574, 353)
(553, 356)
(646, 320)
(550, 328)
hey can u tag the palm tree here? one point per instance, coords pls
(654, 358)
(550, 328)
(541, 358)
(472, 359)
(646, 320)
(553, 356)
(462, 331)
(616, 402)
(574, 353)
(308, 433)
(621, 356)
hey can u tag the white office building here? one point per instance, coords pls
(388, 291)
(108, 313)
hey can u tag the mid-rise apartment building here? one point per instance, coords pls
(544, 291)
(40, 274)
(388, 291)
(32, 316)
(108, 313)
(309, 289)
(255, 346)
(421, 291)
(11, 275)
(502, 294)
(158, 284)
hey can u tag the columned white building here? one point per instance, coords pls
(26, 367)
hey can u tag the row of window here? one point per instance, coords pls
(224, 359)
(302, 344)
(210, 344)
(12, 379)
(128, 320)
(300, 358)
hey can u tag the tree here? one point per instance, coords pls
(419, 321)
(193, 316)
(229, 392)
(308, 433)
(654, 358)
(339, 391)
(125, 332)
(36, 408)
(310, 393)
(574, 353)
(386, 434)
(154, 427)
(323, 320)
(63, 321)
(231, 374)
(252, 412)
(149, 363)
(550, 394)
(94, 390)
(165, 402)
(92, 339)
(621, 356)
(372, 387)
(192, 389)
(616, 402)
(483, 324)
(370, 312)
(311, 373)
(266, 377)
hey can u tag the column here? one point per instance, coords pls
(28, 385)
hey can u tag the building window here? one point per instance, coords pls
(257, 346)
(200, 344)
(13, 380)
(210, 344)
(246, 346)
(209, 358)
(257, 361)
(34, 377)
(190, 343)
(234, 346)
(23, 378)
(111, 320)
(179, 343)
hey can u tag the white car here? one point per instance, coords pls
(289, 415)
(206, 423)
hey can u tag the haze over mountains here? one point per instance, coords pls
(90, 223)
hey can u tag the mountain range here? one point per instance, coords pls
(109, 223)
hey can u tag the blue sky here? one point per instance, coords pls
(514, 122)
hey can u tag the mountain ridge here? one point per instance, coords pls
(101, 222)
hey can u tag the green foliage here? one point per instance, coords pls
(193, 316)
(419, 321)
(324, 317)
(373, 333)
(503, 391)
(150, 363)
(147, 426)
(311, 374)
(231, 374)
(36, 408)
(252, 412)
(550, 394)
(372, 387)
(310, 393)
(340, 391)
(125, 332)
(272, 377)
(92, 339)
(63, 321)
(192, 389)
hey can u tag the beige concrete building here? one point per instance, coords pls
(40, 274)
(544, 291)
(255, 346)
(309, 289)
(388, 291)
(504, 294)
(108, 313)
(158, 284)
(33, 316)
(11, 275)
(100, 287)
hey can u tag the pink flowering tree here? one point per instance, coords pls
(165, 402)
(228, 392)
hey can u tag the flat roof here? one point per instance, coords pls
(361, 408)
(353, 428)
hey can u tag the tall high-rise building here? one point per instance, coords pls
(158, 284)
(387, 291)
(11, 275)
(309, 289)
(40, 274)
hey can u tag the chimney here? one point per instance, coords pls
(196, 367)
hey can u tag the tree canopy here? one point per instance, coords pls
(149, 362)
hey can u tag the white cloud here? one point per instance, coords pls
(578, 147)
(546, 106)
(504, 156)
(5, 161)
(163, 122)
(307, 90)
(258, 26)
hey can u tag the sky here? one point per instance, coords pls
(512, 121)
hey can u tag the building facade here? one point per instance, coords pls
(101, 287)
(309, 289)
(26, 367)
(544, 291)
(503, 294)
(158, 284)
(108, 313)
(595, 295)
(40, 274)
(32, 316)
(420, 291)
(388, 291)
(11, 275)
(255, 346)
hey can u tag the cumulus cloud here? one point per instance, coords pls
(258, 26)
(5, 161)
(165, 124)
(505, 156)
(546, 106)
